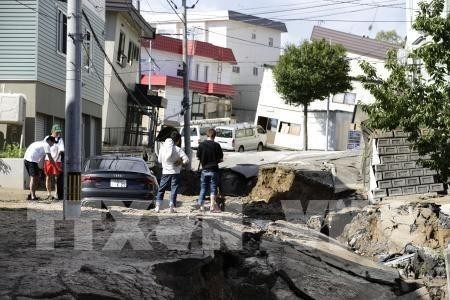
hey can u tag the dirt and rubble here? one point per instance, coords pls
(182, 256)
(275, 240)
(409, 233)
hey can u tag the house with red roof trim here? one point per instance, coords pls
(210, 69)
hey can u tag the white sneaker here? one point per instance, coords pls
(202, 208)
(172, 210)
(157, 209)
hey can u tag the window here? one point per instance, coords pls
(224, 133)
(240, 133)
(236, 69)
(272, 125)
(121, 49)
(260, 130)
(345, 98)
(61, 33)
(249, 132)
(349, 98)
(115, 164)
(197, 72)
(270, 42)
(206, 73)
(131, 52)
(255, 71)
(289, 128)
(87, 52)
(136, 53)
(253, 36)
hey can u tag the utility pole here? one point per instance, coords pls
(186, 102)
(72, 157)
(327, 122)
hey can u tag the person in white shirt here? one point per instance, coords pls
(51, 171)
(33, 155)
(172, 157)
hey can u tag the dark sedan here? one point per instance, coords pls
(106, 179)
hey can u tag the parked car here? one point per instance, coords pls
(114, 178)
(241, 137)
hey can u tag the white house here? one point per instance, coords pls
(283, 122)
(122, 116)
(210, 88)
(255, 41)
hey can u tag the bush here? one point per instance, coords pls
(12, 151)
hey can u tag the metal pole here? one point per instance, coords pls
(185, 103)
(72, 161)
(152, 116)
(327, 122)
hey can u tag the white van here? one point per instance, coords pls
(241, 137)
(198, 135)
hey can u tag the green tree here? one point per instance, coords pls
(416, 94)
(390, 36)
(309, 72)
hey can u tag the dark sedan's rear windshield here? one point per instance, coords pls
(113, 164)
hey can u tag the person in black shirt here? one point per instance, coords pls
(209, 154)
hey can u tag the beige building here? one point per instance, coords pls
(123, 108)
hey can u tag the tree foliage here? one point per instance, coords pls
(417, 92)
(390, 36)
(309, 72)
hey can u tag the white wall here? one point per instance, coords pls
(250, 55)
(272, 105)
(225, 33)
(115, 103)
(174, 97)
(169, 63)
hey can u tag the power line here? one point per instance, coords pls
(102, 82)
(193, 6)
(122, 83)
(174, 10)
(34, 9)
(334, 9)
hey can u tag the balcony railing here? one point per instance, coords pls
(121, 136)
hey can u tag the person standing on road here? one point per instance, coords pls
(57, 151)
(33, 155)
(172, 157)
(209, 154)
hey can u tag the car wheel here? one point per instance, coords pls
(260, 147)
(241, 149)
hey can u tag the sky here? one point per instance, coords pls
(361, 17)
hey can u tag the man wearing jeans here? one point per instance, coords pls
(172, 157)
(209, 154)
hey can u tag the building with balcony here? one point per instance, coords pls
(255, 41)
(210, 88)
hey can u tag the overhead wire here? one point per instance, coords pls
(108, 60)
(36, 10)
(102, 82)
(174, 10)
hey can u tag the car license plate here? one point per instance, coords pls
(118, 183)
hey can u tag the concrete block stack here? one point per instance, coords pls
(395, 170)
